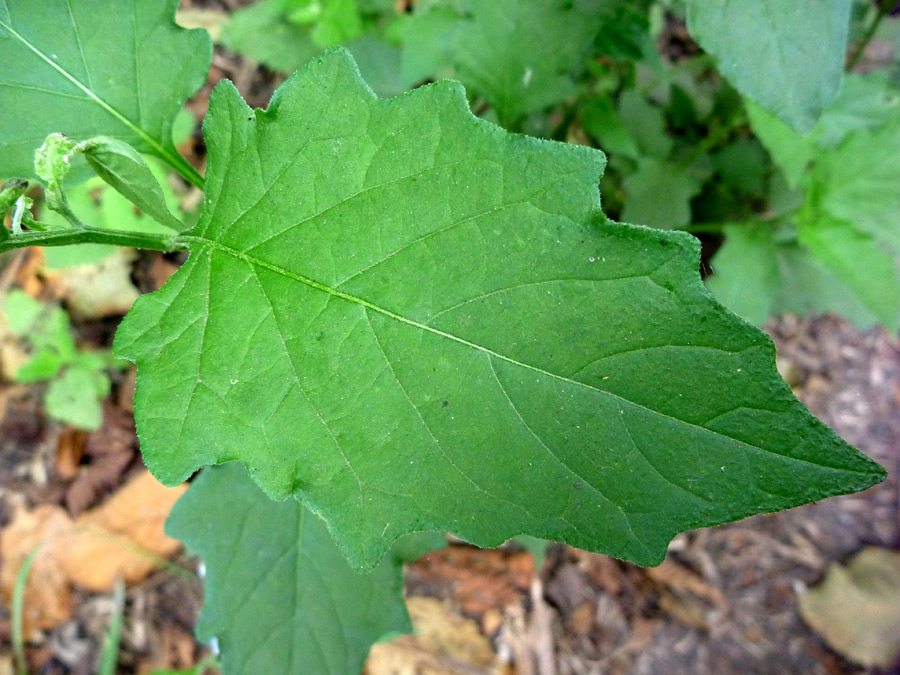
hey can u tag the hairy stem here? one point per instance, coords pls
(883, 8)
(91, 235)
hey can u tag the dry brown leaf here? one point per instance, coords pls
(480, 579)
(122, 538)
(48, 601)
(69, 450)
(443, 643)
(98, 290)
(96, 479)
(856, 608)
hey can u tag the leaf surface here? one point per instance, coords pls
(788, 56)
(284, 599)
(93, 67)
(418, 321)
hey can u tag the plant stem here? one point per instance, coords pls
(185, 169)
(91, 235)
(110, 654)
(18, 601)
(883, 9)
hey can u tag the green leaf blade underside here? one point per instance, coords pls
(786, 55)
(421, 322)
(93, 67)
(274, 577)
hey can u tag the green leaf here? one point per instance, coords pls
(759, 272)
(659, 195)
(280, 596)
(260, 32)
(787, 55)
(427, 41)
(10, 192)
(745, 270)
(90, 67)
(646, 123)
(609, 130)
(417, 321)
(807, 286)
(864, 103)
(624, 26)
(75, 398)
(119, 165)
(95, 202)
(263, 33)
(520, 54)
(790, 151)
(857, 182)
(340, 22)
(859, 263)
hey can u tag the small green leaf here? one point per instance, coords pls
(864, 103)
(280, 596)
(95, 202)
(520, 54)
(417, 321)
(609, 130)
(124, 169)
(787, 55)
(91, 67)
(646, 123)
(807, 286)
(21, 312)
(659, 195)
(427, 41)
(858, 262)
(10, 191)
(261, 32)
(745, 271)
(75, 398)
(790, 151)
(857, 182)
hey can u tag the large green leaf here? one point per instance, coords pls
(422, 322)
(280, 596)
(787, 55)
(122, 69)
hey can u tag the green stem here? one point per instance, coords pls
(91, 235)
(185, 169)
(18, 603)
(883, 9)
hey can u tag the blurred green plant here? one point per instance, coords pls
(77, 379)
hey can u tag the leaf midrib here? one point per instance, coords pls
(158, 148)
(312, 283)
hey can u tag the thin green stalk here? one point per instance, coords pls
(184, 169)
(92, 235)
(110, 655)
(18, 602)
(883, 9)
